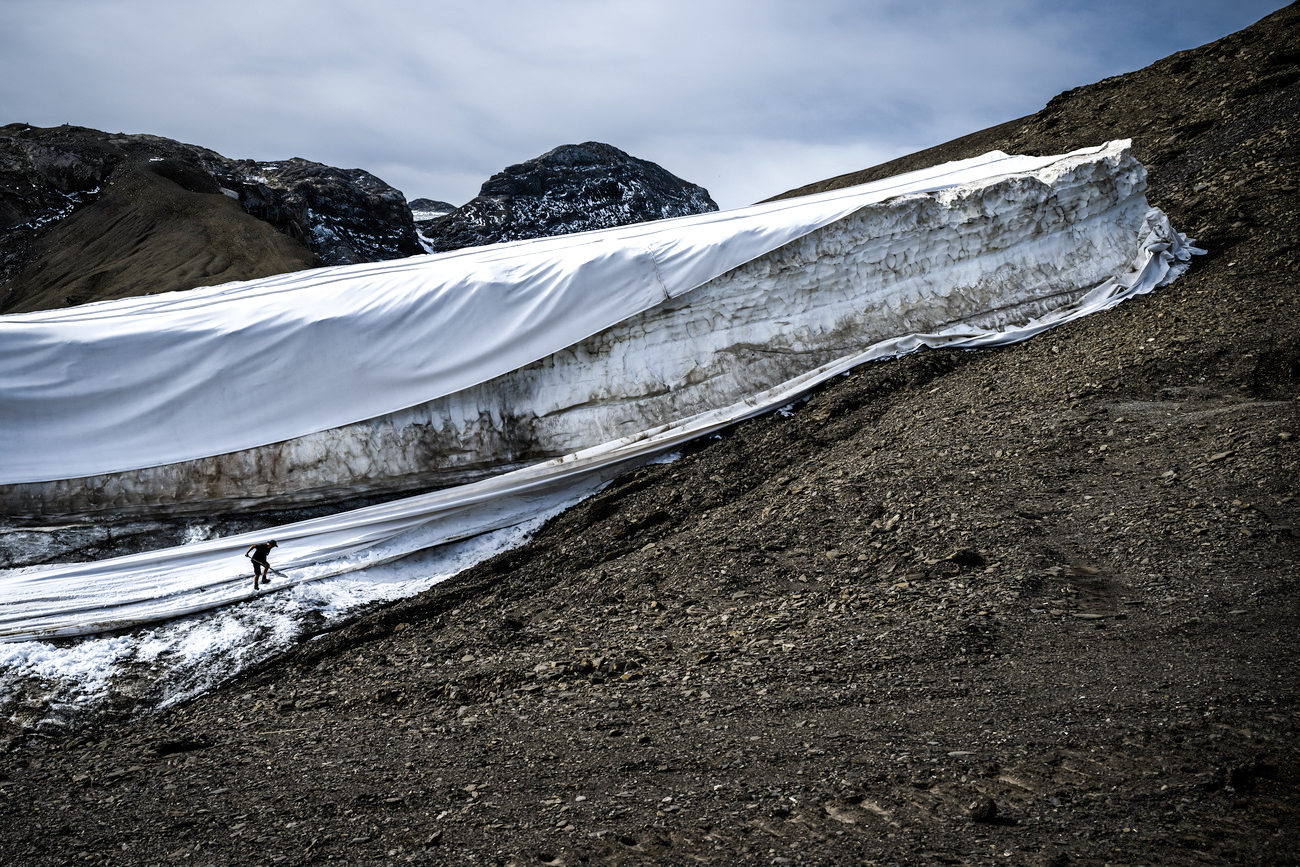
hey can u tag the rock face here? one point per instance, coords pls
(87, 215)
(573, 188)
(342, 215)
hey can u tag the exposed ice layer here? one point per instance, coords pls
(985, 255)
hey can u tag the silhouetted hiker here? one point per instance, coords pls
(258, 554)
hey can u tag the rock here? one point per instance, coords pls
(574, 188)
(967, 558)
(1243, 777)
(345, 216)
(179, 745)
(982, 809)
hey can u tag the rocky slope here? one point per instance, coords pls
(88, 216)
(573, 188)
(1035, 605)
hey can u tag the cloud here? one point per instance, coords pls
(746, 98)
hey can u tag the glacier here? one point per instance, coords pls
(519, 378)
(439, 370)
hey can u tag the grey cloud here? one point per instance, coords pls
(747, 98)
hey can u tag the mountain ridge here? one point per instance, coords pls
(88, 216)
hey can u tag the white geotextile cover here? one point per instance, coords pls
(142, 382)
(87, 598)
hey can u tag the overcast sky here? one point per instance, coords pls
(745, 97)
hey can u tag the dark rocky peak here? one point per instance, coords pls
(573, 188)
(426, 212)
(35, 169)
(342, 215)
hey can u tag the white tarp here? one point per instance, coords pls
(86, 598)
(145, 382)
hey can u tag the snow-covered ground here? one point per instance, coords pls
(48, 685)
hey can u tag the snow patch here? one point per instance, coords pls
(47, 687)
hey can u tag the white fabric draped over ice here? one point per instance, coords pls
(151, 381)
(88, 598)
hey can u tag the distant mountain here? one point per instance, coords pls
(573, 188)
(87, 215)
(426, 210)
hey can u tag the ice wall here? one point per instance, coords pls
(986, 254)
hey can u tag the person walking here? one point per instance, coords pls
(261, 566)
